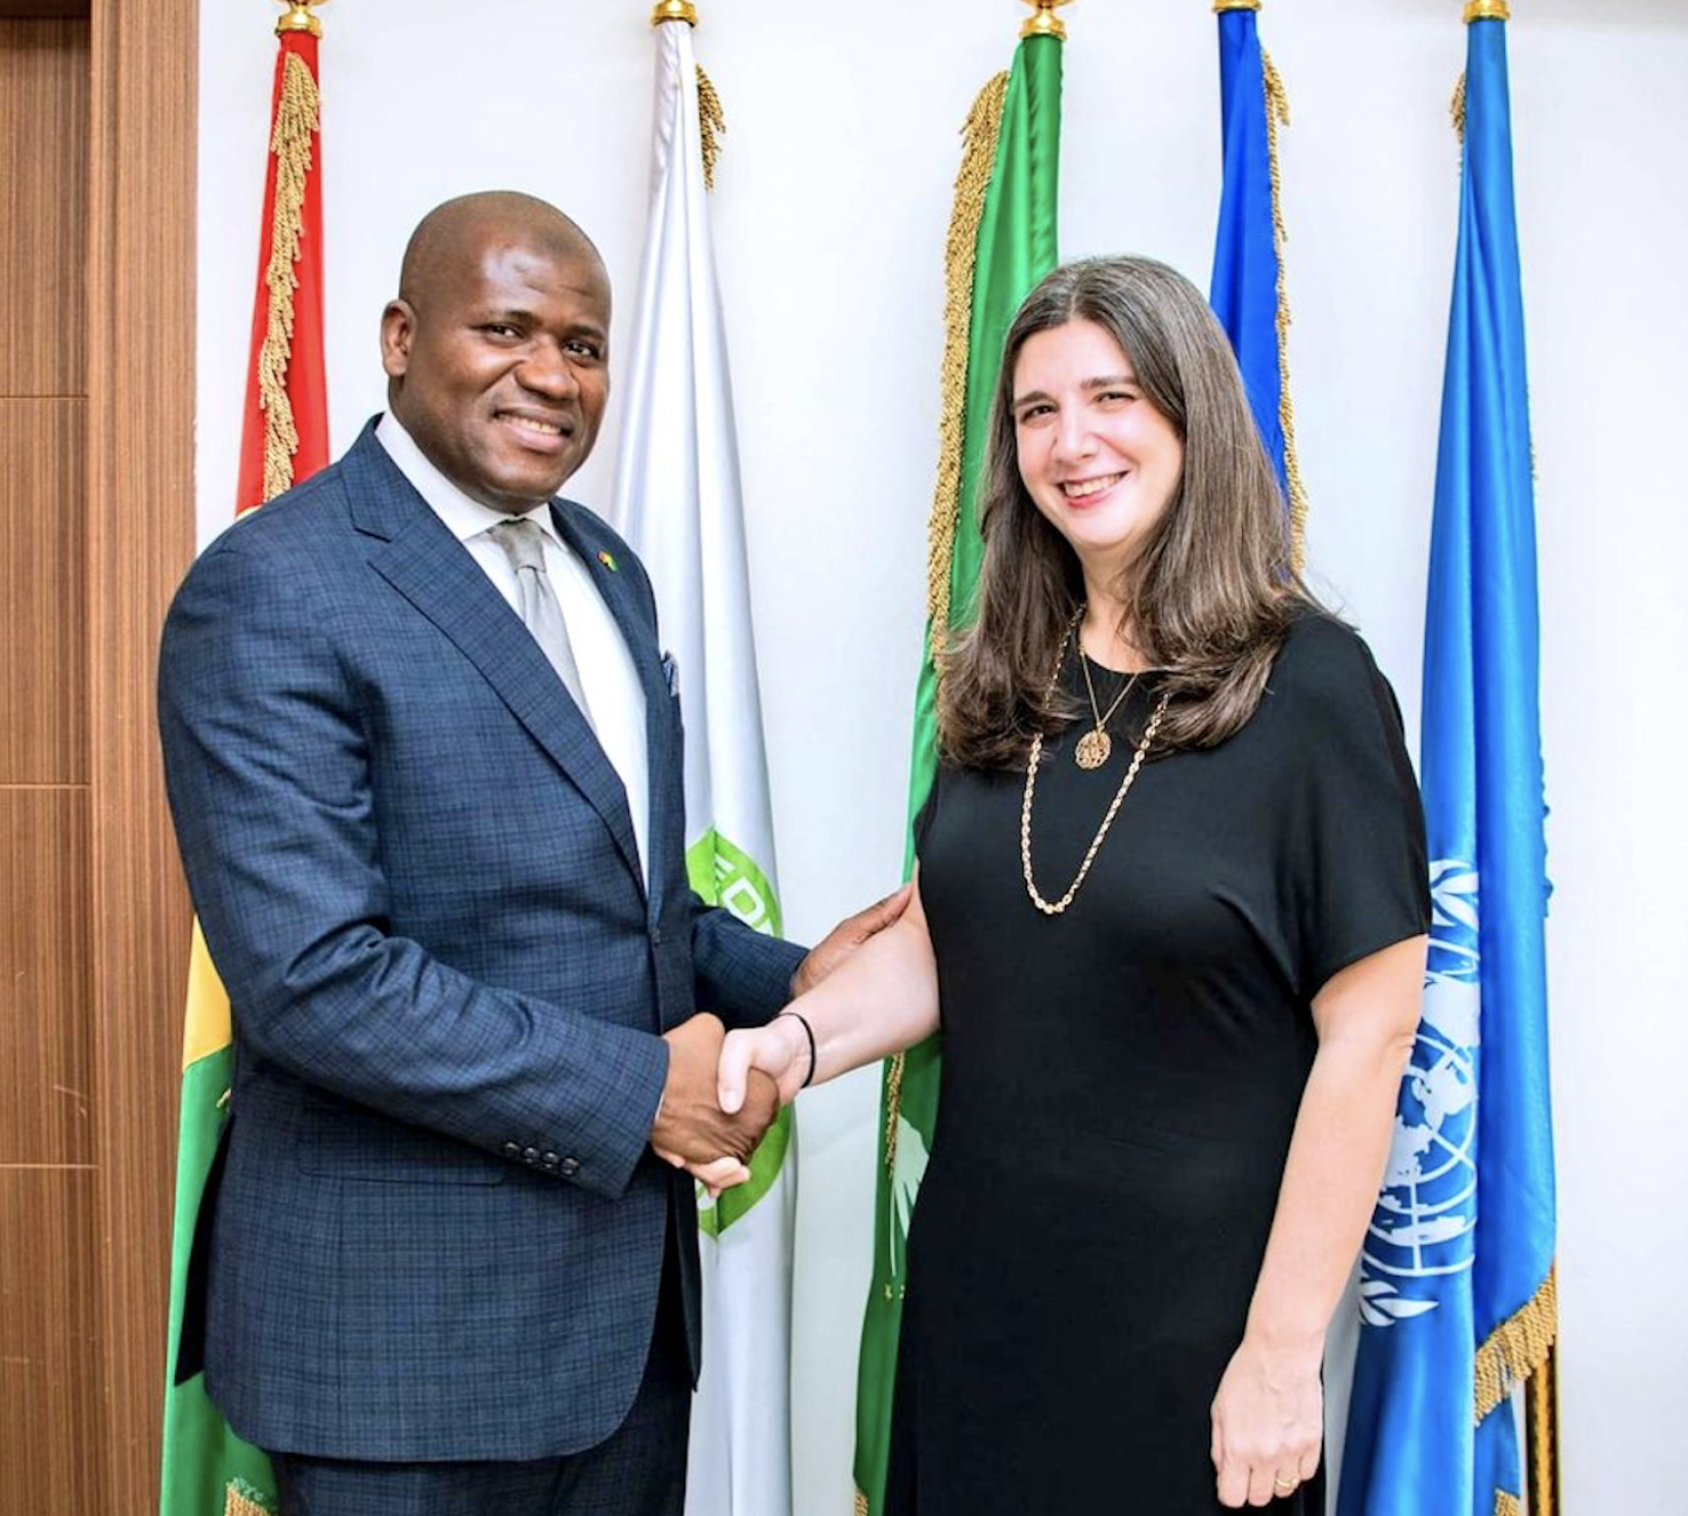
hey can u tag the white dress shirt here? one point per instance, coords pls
(613, 691)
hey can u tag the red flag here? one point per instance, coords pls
(284, 434)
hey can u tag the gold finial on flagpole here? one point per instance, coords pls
(1045, 23)
(299, 18)
(1221, 6)
(1486, 10)
(674, 10)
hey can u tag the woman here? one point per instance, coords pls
(1169, 911)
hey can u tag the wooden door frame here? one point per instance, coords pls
(143, 142)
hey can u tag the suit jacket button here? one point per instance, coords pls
(569, 1166)
(512, 1150)
(656, 935)
(530, 1155)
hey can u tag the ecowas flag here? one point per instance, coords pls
(677, 498)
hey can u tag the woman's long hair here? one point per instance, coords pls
(1211, 593)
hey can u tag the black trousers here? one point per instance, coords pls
(638, 1470)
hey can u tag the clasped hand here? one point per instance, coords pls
(692, 1131)
(723, 1092)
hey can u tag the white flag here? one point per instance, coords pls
(677, 499)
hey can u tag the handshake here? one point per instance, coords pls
(725, 1088)
(694, 1130)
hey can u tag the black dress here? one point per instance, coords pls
(1120, 1082)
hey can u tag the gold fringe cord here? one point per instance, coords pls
(1541, 1423)
(1517, 1347)
(861, 1504)
(1277, 113)
(1508, 1505)
(1456, 108)
(298, 117)
(961, 248)
(979, 135)
(712, 125)
(240, 1499)
(893, 1109)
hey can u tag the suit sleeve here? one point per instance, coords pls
(742, 976)
(269, 780)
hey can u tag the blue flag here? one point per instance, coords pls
(1244, 292)
(1456, 1279)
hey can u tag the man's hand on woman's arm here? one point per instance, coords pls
(881, 997)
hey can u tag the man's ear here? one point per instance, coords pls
(398, 330)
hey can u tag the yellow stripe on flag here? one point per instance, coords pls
(207, 1028)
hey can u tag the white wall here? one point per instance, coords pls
(833, 199)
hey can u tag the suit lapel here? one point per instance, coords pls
(620, 594)
(413, 551)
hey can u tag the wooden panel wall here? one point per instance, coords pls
(51, 1392)
(97, 138)
(144, 105)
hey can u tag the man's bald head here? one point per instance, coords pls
(459, 230)
(497, 346)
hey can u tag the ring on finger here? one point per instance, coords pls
(1284, 1486)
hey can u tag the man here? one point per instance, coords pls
(424, 759)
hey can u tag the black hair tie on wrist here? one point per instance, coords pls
(809, 1031)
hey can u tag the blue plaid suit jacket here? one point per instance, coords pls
(437, 1230)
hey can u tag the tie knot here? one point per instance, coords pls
(523, 543)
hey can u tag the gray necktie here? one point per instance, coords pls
(524, 544)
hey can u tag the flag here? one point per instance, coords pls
(1247, 292)
(207, 1470)
(1001, 243)
(679, 501)
(1456, 1282)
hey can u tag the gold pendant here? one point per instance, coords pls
(1093, 749)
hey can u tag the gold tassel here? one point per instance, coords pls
(240, 1499)
(1508, 1505)
(861, 1504)
(1456, 108)
(893, 1109)
(1518, 1346)
(961, 247)
(712, 125)
(297, 119)
(1277, 112)
(1541, 1422)
(961, 251)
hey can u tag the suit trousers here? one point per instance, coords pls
(638, 1470)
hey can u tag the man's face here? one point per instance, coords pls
(500, 367)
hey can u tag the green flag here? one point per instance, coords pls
(1001, 242)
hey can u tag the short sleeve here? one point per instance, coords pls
(1357, 858)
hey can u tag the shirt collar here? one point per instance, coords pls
(464, 517)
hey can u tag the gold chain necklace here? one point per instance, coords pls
(1055, 908)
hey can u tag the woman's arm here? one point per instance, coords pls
(1268, 1415)
(882, 999)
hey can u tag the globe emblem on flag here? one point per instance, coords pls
(1424, 1224)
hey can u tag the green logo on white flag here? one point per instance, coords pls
(725, 875)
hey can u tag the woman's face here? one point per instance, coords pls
(1099, 461)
